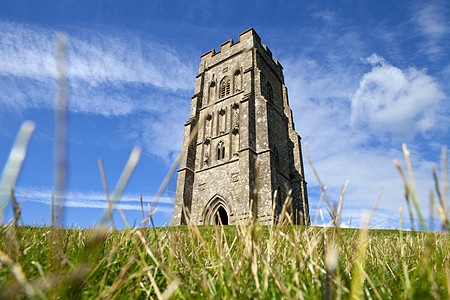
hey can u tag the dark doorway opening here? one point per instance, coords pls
(221, 216)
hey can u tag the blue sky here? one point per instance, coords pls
(363, 78)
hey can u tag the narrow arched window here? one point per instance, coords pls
(222, 121)
(220, 150)
(225, 87)
(269, 92)
(237, 81)
(211, 92)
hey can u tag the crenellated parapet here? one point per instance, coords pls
(248, 40)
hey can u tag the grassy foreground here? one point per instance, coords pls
(281, 261)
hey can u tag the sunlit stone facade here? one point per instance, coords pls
(240, 117)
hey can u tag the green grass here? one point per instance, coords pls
(221, 262)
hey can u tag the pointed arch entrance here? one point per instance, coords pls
(216, 212)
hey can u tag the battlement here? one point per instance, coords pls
(248, 36)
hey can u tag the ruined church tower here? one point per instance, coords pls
(239, 115)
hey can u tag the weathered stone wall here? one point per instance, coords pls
(239, 117)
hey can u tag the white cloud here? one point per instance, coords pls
(145, 83)
(432, 24)
(403, 102)
(327, 15)
(102, 69)
(78, 199)
(325, 81)
(432, 21)
(28, 51)
(321, 98)
(161, 134)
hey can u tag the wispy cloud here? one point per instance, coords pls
(106, 70)
(432, 23)
(160, 134)
(28, 51)
(92, 199)
(115, 74)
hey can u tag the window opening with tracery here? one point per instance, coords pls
(220, 151)
(225, 87)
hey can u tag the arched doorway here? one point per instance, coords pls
(221, 216)
(216, 212)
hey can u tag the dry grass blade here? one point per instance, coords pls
(165, 182)
(168, 292)
(61, 126)
(17, 208)
(127, 225)
(142, 210)
(154, 285)
(413, 193)
(318, 209)
(444, 179)
(125, 176)
(358, 266)
(341, 201)
(14, 163)
(322, 186)
(441, 207)
(175, 164)
(60, 152)
(123, 180)
(407, 191)
(105, 188)
(375, 206)
(402, 253)
(331, 262)
(18, 273)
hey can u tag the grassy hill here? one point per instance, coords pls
(248, 261)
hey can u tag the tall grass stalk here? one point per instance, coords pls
(14, 164)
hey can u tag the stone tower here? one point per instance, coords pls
(239, 115)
